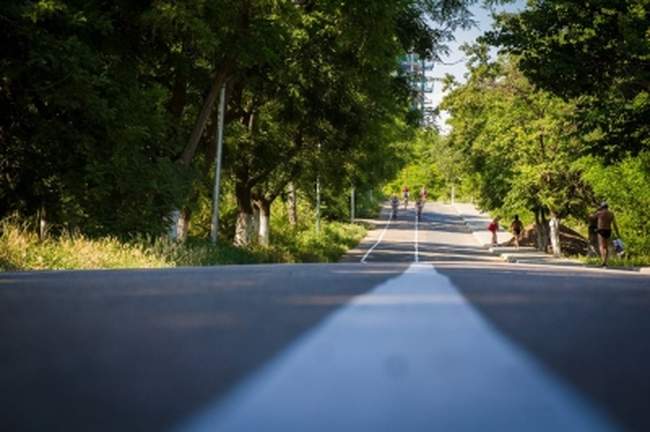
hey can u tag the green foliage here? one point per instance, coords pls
(84, 131)
(427, 162)
(524, 153)
(595, 52)
(625, 262)
(307, 245)
(100, 101)
(625, 187)
(515, 139)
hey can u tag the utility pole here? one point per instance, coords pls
(318, 198)
(318, 204)
(453, 193)
(214, 226)
(352, 205)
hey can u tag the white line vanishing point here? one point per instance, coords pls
(417, 238)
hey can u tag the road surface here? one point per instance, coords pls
(420, 329)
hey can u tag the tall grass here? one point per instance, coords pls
(21, 249)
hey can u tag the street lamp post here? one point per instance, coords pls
(214, 225)
(318, 198)
(352, 204)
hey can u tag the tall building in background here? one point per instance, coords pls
(419, 73)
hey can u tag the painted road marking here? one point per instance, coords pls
(379, 364)
(417, 252)
(381, 237)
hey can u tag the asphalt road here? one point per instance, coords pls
(429, 333)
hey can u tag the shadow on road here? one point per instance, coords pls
(590, 328)
(141, 350)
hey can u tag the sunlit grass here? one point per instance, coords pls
(620, 262)
(21, 249)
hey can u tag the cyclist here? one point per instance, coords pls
(418, 206)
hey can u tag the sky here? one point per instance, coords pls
(456, 56)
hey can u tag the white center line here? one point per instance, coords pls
(417, 251)
(381, 237)
(412, 354)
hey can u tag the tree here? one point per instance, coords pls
(594, 52)
(83, 134)
(518, 142)
(334, 86)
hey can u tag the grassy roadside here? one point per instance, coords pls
(21, 249)
(622, 263)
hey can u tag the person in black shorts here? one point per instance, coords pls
(605, 222)
(517, 228)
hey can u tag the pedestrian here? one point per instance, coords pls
(517, 228)
(493, 228)
(605, 222)
(423, 194)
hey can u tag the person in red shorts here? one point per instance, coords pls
(493, 228)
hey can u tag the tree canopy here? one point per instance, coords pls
(108, 109)
(596, 53)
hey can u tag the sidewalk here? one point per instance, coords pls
(477, 222)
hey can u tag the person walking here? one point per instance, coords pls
(605, 222)
(493, 228)
(516, 227)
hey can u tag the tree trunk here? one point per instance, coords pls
(42, 223)
(541, 227)
(172, 230)
(554, 225)
(183, 225)
(179, 94)
(245, 227)
(208, 104)
(292, 205)
(264, 232)
(256, 221)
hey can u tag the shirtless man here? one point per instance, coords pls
(605, 223)
(516, 227)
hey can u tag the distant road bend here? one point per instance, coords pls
(418, 329)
